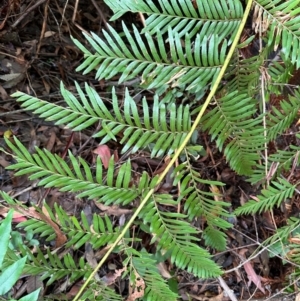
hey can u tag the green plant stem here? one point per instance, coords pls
(177, 153)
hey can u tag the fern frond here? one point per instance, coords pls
(98, 234)
(201, 203)
(280, 73)
(232, 120)
(214, 238)
(283, 20)
(276, 193)
(283, 233)
(203, 17)
(53, 268)
(50, 266)
(278, 162)
(156, 287)
(281, 243)
(138, 133)
(38, 227)
(243, 74)
(286, 158)
(194, 68)
(280, 120)
(294, 256)
(53, 171)
(172, 233)
(99, 291)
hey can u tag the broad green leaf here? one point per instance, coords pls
(10, 275)
(5, 230)
(32, 296)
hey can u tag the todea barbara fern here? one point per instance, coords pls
(180, 51)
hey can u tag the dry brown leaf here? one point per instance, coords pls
(110, 278)
(3, 22)
(74, 290)
(3, 94)
(217, 298)
(17, 217)
(3, 162)
(90, 258)
(112, 210)
(163, 270)
(46, 85)
(49, 33)
(103, 152)
(200, 298)
(252, 276)
(34, 283)
(3, 211)
(294, 240)
(51, 141)
(138, 290)
(254, 198)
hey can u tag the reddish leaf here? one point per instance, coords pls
(252, 276)
(137, 290)
(17, 217)
(104, 153)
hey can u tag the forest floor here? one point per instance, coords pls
(36, 54)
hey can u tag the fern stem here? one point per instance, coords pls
(179, 150)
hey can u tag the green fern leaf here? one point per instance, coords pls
(55, 172)
(278, 162)
(98, 234)
(232, 120)
(194, 69)
(50, 266)
(280, 120)
(137, 133)
(202, 203)
(276, 193)
(243, 74)
(99, 291)
(204, 17)
(199, 202)
(156, 287)
(172, 233)
(214, 238)
(283, 19)
(280, 72)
